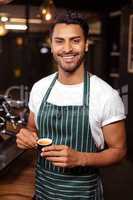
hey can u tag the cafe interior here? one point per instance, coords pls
(25, 57)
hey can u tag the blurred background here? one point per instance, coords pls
(25, 57)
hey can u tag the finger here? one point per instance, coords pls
(35, 135)
(21, 142)
(30, 135)
(54, 148)
(27, 133)
(27, 139)
(24, 142)
(21, 145)
(53, 153)
(57, 159)
(57, 164)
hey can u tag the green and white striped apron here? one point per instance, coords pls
(67, 125)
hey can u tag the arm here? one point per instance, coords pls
(31, 122)
(114, 135)
(26, 138)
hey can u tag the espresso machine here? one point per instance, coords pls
(13, 116)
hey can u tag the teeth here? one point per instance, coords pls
(69, 57)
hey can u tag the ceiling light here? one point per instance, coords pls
(44, 50)
(47, 10)
(48, 16)
(44, 11)
(3, 31)
(19, 41)
(15, 27)
(4, 19)
(22, 20)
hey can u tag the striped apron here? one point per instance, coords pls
(67, 125)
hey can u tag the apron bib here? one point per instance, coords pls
(67, 125)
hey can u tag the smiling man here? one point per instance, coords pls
(79, 112)
(68, 47)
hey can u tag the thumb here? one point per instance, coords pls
(35, 135)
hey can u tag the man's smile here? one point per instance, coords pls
(68, 58)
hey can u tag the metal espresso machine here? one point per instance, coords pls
(13, 116)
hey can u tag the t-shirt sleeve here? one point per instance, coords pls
(113, 109)
(31, 99)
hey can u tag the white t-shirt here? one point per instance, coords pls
(105, 105)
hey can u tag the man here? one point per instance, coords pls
(79, 112)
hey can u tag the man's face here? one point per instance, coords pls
(68, 46)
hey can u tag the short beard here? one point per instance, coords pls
(70, 69)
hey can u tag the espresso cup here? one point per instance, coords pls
(43, 142)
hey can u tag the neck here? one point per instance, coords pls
(69, 78)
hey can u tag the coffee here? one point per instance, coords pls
(43, 142)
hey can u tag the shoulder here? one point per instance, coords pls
(38, 91)
(43, 84)
(101, 89)
(106, 102)
(103, 97)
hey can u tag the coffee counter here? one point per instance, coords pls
(8, 150)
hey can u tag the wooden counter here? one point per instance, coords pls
(17, 180)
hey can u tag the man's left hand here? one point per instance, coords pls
(62, 156)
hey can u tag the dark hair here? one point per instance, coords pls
(71, 17)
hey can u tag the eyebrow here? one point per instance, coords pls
(74, 37)
(58, 38)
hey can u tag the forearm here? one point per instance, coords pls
(105, 158)
(31, 123)
(30, 128)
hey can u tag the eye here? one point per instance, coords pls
(76, 40)
(58, 41)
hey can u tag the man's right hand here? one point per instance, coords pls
(26, 139)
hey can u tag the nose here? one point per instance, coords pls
(67, 46)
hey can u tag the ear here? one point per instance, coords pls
(86, 45)
(51, 48)
(50, 44)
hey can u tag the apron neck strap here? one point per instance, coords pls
(50, 87)
(86, 88)
(86, 92)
